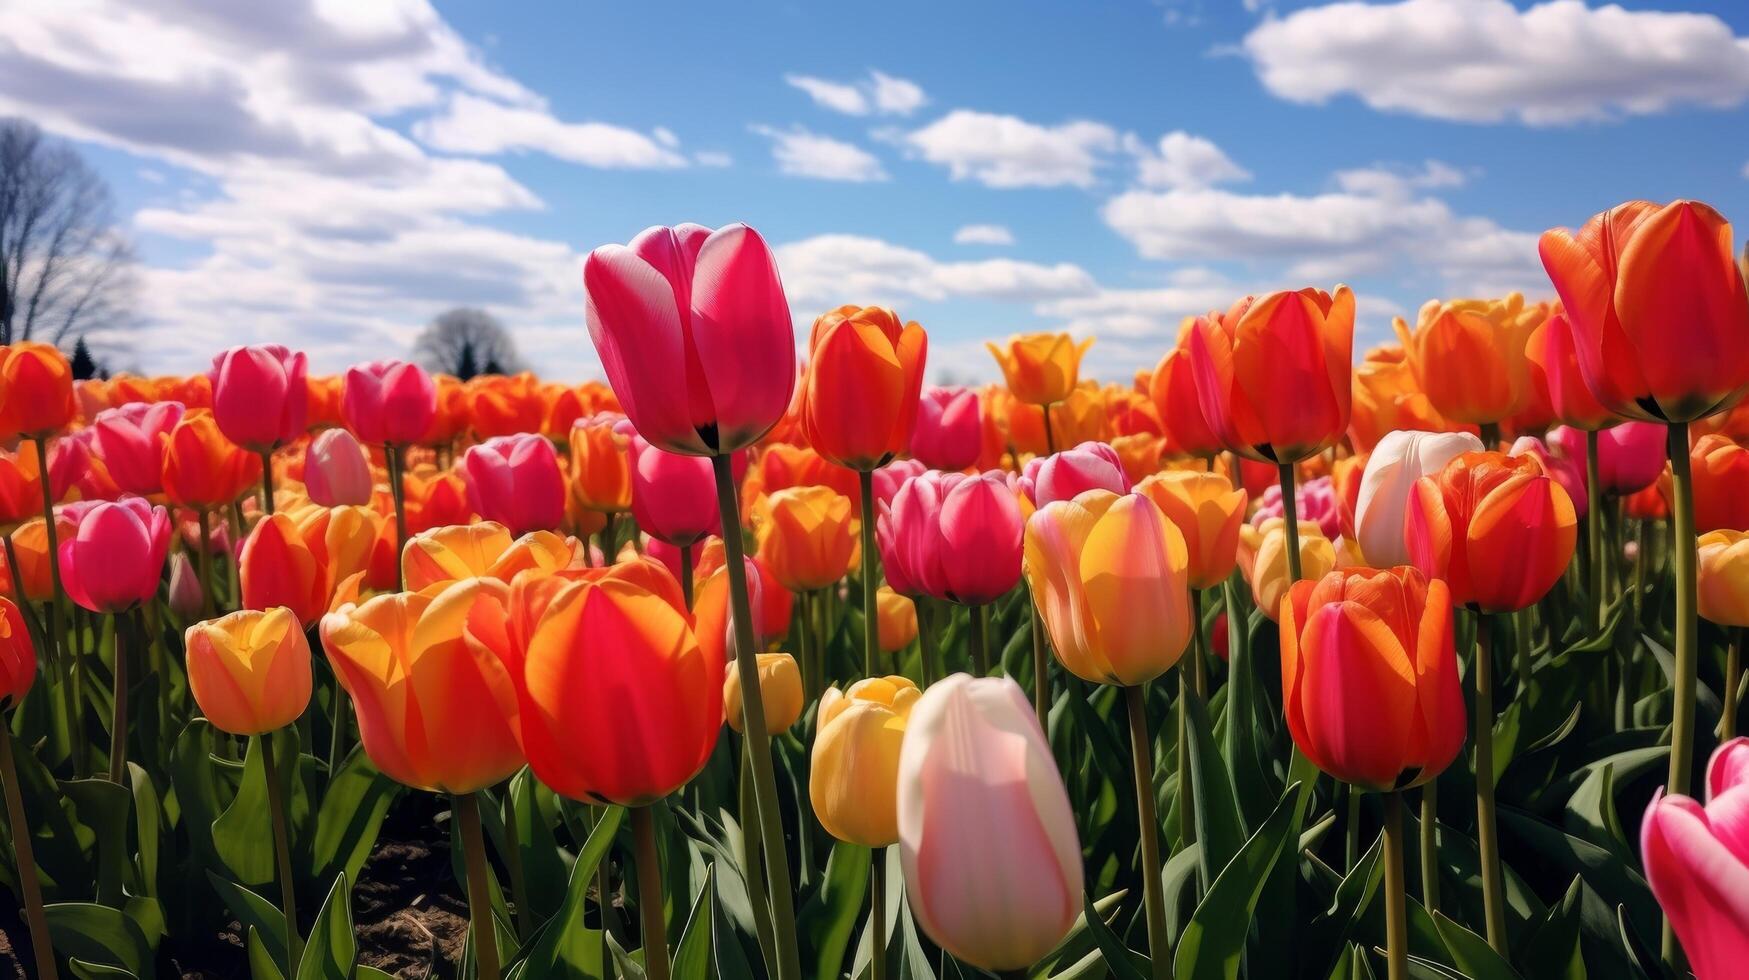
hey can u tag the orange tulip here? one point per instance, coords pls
(621, 703)
(21, 490)
(897, 619)
(1172, 387)
(1657, 305)
(782, 465)
(278, 569)
(1208, 512)
(1369, 676)
(203, 469)
(1078, 418)
(1041, 368)
(780, 690)
(1140, 454)
(865, 372)
(452, 411)
(503, 405)
(325, 396)
(36, 390)
(1469, 356)
(806, 535)
(1273, 375)
(564, 405)
(431, 677)
(541, 551)
(601, 464)
(434, 498)
(249, 671)
(1387, 398)
(30, 542)
(459, 551)
(343, 541)
(1721, 484)
(1496, 528)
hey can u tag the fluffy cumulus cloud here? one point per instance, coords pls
(1556, 62)
(1183, 160)
(802, 153)
(879, 93)
(983, 235)
(826, 270)
(312, 217)
(1007, 151)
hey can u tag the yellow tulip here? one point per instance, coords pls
(1724, 577)
(1041, 368)
(1208, 512)
(446, 554)
(897, 619)
(854, 779)
(1263, 559)
(807, 537)
(249, 671)
(780, 685)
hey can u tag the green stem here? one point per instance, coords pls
(871, 645)
(1186, 790)
(1733, 681)
(513, 863)
(755, 867)
(1041, 670)
(467, 813)
(1430, 845)
(1594, 529)
(758, 743)
(1396, 902)
(26, 857)
(53, 648)
(204, 556)
(288, 897)
(685, 573)
(397, 493)
(118, 730)
(1524, 640)
(1487, 833)
(1050, 433)
(1142, 762)
(877, 912)
(980, 654)
(1351, 846)
(650, 894)
(1642, 558)
(804, 622)
(927, 639)
(237, 528)
(1290, 521)
(267, 481)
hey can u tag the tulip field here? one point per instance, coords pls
(759, 659)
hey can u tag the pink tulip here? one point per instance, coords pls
(260, 395)
(71, 466)
(115, 558)
(1630, 456)
(952, 536)
(1089, 466)
(336, 471)
(949, 433)
(1567, 472)
(695, 335)
(889, 478)
(986, 836)
(669, 555)
(1314, 500)
(131, 441)
(388, 402)
(184, 596)
(515, 480)
(674, 497)
(1697, 862)
(218, 534)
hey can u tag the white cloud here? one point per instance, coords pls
(484, 127)
(1007, 151)
(983, 235)
(1183, 160)
(801, 153)
(879, 93)
(1488, 61)
(1386, 181)
(826, 270)
(1152, 312)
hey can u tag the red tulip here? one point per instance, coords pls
(949, 432)
(116, 556)
(388, 402)
(1557, 379)
(279, 569)
(17, 654)
(260, 395)
(515, 480)
(132, 440)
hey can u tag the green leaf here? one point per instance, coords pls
(1214, 941)
(1124, 963)
(148, 827)
(193, 777)
(263, 965)
(1552, 948)
(255, 913)
(330, 951)
(1615, 882)
(99, 934)
(240, 831)
(829, 918)
(692, 955)
(543, 866)
(1219, 828)
(1471, 952)
(731, 956)
(565, 949)
(349, 817)
(104, 807)
(1076, 946)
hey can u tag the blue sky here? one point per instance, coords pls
(332, 174)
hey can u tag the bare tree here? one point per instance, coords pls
(465, 342)
(65, 269)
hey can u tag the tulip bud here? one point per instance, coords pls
(601, 465)
(1496, 528)
(185, 597)
(1721, 484)
(336, 471)
(1088, 466)
(780, 687)
(260, 395)
(1469, 355)
(1694, 861)
(204, 469)
(953, 537)
(278, 568)
(132, 439)
(855, 769)
(897, 620)
(1263, 560)
(36, 390)
(388, 402)
(864, 373)
(249, 671)
(674, 498)
(1630, 456)
(987, 838)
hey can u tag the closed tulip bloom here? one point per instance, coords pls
(674, 497)
(249, 671)
(1273, 377)
(504, 404)
(855, 769)
(1555, 374)
(1369, 676)
(1040, 368)
(430, 676)
(36, 390)
(260, 395)
(336, 471)
(1263, 560)
(1469, 355)
(17, 654)
(21, 491)
(1110, 577)
(1140, 454)
(781, 465)
(388, 402)
(204, 469)
(1496, 528)
(953, 537)
(322, 407)
(1723, 558)
(865, 370)
(515, 480)
(343, 540)
(1567, 472)
(184, 596)
(806, 536)
(621, 703)
(601, 464)
(564, 406)
(1208, 512)
(278, 568)
(695, 335)
(451, 419)
(1657, 305)
(1647, 505)
(1630, 456)
(77, 471)
(132, 441)
(1695, 863)
(1397, 462)
(445, 554)
(1721, 484)
(1001, 890)
(434, 498)
(30, 543)
(1066, 475)
(889, 478)
(780, 690)
(949, 433)
(896, 617)
(115, 558)
(1172, 388)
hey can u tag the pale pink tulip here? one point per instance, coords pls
(336, 471)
